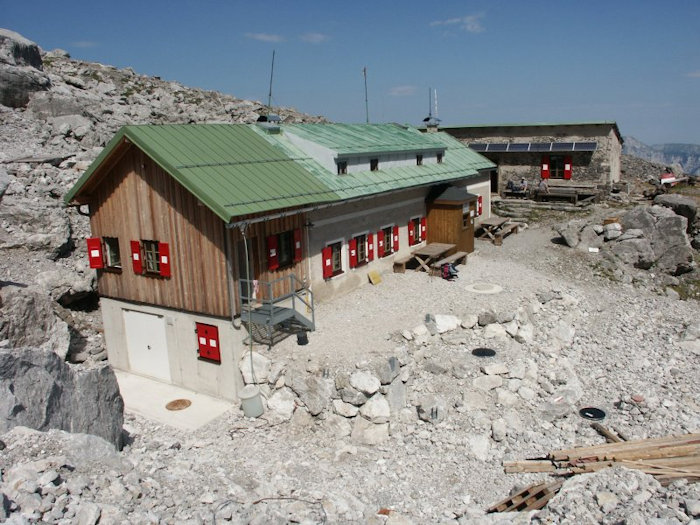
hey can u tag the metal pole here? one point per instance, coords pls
(364, 72)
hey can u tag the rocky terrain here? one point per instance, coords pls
(387, 415)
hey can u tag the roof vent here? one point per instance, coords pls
(270, 127)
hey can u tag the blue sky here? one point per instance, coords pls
(491, 61)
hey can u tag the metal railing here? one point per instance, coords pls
(273, 302)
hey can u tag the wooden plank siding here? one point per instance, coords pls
(138, 200)
(257, 234)
(445, 224)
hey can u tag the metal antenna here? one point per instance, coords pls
(436, 109)
(269, 96)
(364, 72)
(430, 103)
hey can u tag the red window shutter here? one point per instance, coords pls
(352, 246)
(273, 261)
(136, 261)
(94, 247)
(370, 247)
(545, 167)
(411, 233)
(396, 238)
(297, 245)
(164, 254)
(327, 257)
(567, 167)
(380, 244)
(423, 235)
(479, 205)
(208, 342)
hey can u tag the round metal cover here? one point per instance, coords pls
(484, 288)
(592, 413)
(484, 352)
(178, 404)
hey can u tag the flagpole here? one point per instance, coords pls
(364, 72)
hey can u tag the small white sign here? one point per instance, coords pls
(328, 263)
(203, 341)
(164, 259)
(136, 257)
(273, 253)
(212, 343)
(545, 167)
(298, 244)
(94, 253)
(567, 167)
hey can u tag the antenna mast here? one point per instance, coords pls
(269, 96)
(364, 72)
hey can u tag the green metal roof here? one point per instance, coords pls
(349, 139)
(229, 168)
(238, 170)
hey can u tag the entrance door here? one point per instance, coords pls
(146, 344)
(494, 181)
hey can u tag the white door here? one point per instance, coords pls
(146, 345)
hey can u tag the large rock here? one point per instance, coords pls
(680, 204)
(671, 245)
(40, 391)
(20, 70)
(313, 391)
(38, 226)
(570, 232)
(636, 252)
(29, 319)
(65, 286)
(639, 218)
(258, 371)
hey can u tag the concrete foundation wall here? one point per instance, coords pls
(186, 369)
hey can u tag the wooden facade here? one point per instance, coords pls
(452, 222)
(136, 200)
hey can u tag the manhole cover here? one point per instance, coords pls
(484, 288)
(178, 404)
(484, 352)
(592, 413)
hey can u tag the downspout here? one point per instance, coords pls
(236, 323)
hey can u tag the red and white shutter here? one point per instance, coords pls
(395, 239)
(352, 246)
(273, 261)
(208, 341)
(423, 235)
(544, 171)
(327, 258)
(567, 167)
(94, 248)
(164, 254)
(479, 205)
(297, 245)
(136, 261)
(411, 233)
(370, 247)
(380, 244)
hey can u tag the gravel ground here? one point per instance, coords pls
(596, 343)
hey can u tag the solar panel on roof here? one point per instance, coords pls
(498, 146)
(585, 146)
(540, 146)
(519, 146)
(562, 146)
(477, 146)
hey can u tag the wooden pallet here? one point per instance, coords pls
(533, 497)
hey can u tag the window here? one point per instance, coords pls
(114, 259)
(556, 167)
(373, 164)
(419, 160)
(439, 158)
(388, 243)
(416, 230)
(342, 167)
(358, 250)
(283, 249)
(332, 259)
(151, 257)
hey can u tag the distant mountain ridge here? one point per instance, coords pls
(686, 155)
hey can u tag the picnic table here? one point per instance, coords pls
(424, 256)
(495, 228)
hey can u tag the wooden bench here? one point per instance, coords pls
(455, 258)
(504, 232)
(516, 194)
(400, 263)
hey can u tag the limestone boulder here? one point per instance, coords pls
(671, 245)
(636, 252)
(41, 391)
(313, 391)
(680, 204)
(20, 70)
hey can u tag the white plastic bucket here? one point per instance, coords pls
(251, 401)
